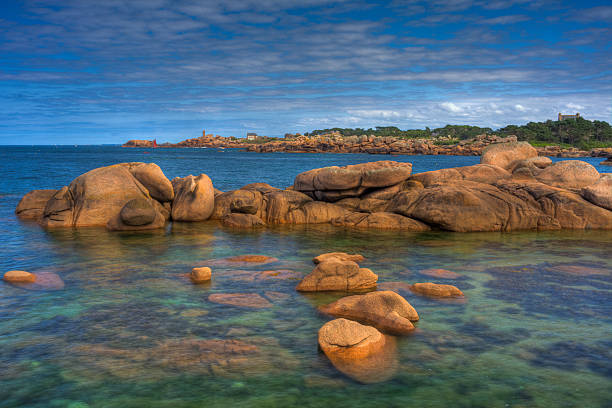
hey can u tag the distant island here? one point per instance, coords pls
(574, 137)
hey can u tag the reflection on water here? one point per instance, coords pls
(129, 329)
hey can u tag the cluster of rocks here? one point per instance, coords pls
(359, 341)
(512, 189)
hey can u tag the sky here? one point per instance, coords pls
(94, 72)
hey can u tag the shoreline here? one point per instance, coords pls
(370, 145)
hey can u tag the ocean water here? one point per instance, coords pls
(129, 330)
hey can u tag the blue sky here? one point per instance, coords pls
(82, 71)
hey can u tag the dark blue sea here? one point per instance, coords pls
(128, 329)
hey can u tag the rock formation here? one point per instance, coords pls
(512, 189)
(385, 310)
(335, 274)
(19, 277)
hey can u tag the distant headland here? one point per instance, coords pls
(571, 136)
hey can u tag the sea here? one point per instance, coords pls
(128, 329)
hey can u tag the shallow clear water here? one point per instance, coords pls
(129, 329)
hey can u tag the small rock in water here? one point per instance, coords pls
(436, 290)
(361, 352)
(338, 275)
(385, 310)
(200, 275)
(19, 277)
(343, 256)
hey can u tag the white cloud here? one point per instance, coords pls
(573, 106)
(451, 107)
(520, 107)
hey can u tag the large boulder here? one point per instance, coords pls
(32, 205)
(315, 212)
(137, 212)
(240, 220)
(480, 173)
(154, 180)
(569, 210)
(335, 274)
(470, 206)
(279, 204)
(569, 174)
(97, 198)
(335, 183)
(194, 198)
(600, 193)
(385, 310)
(504, 154)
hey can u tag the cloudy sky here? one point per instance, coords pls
(84, 71)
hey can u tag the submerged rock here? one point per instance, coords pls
(440, 273)
(342, 256)
(385, 310)
(335, 274)
(436, 290)
(249, 300)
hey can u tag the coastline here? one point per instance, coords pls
(369, 145)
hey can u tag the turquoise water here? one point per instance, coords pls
(129, 330)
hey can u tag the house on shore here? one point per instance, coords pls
(252, 136)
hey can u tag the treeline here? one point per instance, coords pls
(579, 132)
(453, 131)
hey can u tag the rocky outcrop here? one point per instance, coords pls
(98, 197)
(385, 310)
(194, 198)
(200, 275)
(33, 204)
(505, 154)
(138, 143)
(607, 162)
(514, 191)
(436, 290)
(19, 277)
(335, 274)
(334, 183)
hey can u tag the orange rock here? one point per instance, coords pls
(569, 174)
(252, 300)
(337, 275)
(32, 204)
(349, 340)
(19, 277)
(200, 275)
(440, 273)
(504, 154)
(385, 310)
(436, 290)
